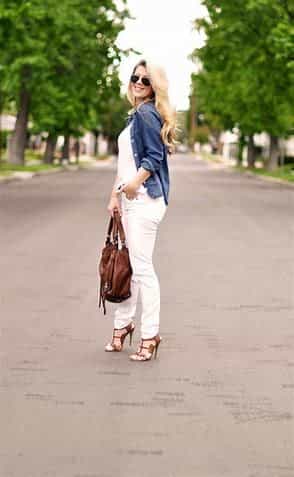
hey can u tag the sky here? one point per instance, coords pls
(162, 32)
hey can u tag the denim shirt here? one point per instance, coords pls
(148, 149)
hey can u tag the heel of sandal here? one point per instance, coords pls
(120, 337)
(131, 335)
(156, 347)
(152, 349)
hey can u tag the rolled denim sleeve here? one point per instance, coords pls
(150, 127)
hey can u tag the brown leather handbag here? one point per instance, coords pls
(114, 267)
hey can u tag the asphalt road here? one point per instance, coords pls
(218, 401)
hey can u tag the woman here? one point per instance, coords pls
(140, 194)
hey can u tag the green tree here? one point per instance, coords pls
(108, 112)
(113, 119)
(53, 57)
(25, 31)
(205, 112)
(247, 67)
(82, 85)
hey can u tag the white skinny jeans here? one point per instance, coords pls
(141, 218)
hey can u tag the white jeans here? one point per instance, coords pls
(141, 218)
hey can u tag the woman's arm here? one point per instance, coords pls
(150, 129)
(114, 201)
(131, 188)
(113, 191)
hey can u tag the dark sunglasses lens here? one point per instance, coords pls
(145, 81)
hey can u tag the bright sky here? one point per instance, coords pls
(162, 32)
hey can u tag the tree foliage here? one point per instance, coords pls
(248, 64)
(57, 59)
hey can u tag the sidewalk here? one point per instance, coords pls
(85, 162)
(219, 162)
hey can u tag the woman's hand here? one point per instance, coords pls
(131, 189)
(114, 204)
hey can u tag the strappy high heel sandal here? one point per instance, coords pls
(151, 347)
(118, 337)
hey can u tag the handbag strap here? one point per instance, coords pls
(109, 230)
(112, 232)
(119, 228)
(115, 229)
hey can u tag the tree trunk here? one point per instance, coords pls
(193, 120)
(241, 145)
(251, 152)
(77, 150)
(50, 149)
(111, 146)
(218, 143)
(273, 161)
(65, 149)
(1, 136)
(19, 136)
(96, 152)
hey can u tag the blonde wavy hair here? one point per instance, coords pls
(159, 84)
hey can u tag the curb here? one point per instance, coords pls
(231, 169)
(261, 177)
(25, 175)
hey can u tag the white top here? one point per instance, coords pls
(126, 166)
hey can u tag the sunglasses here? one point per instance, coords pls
(145, 81)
